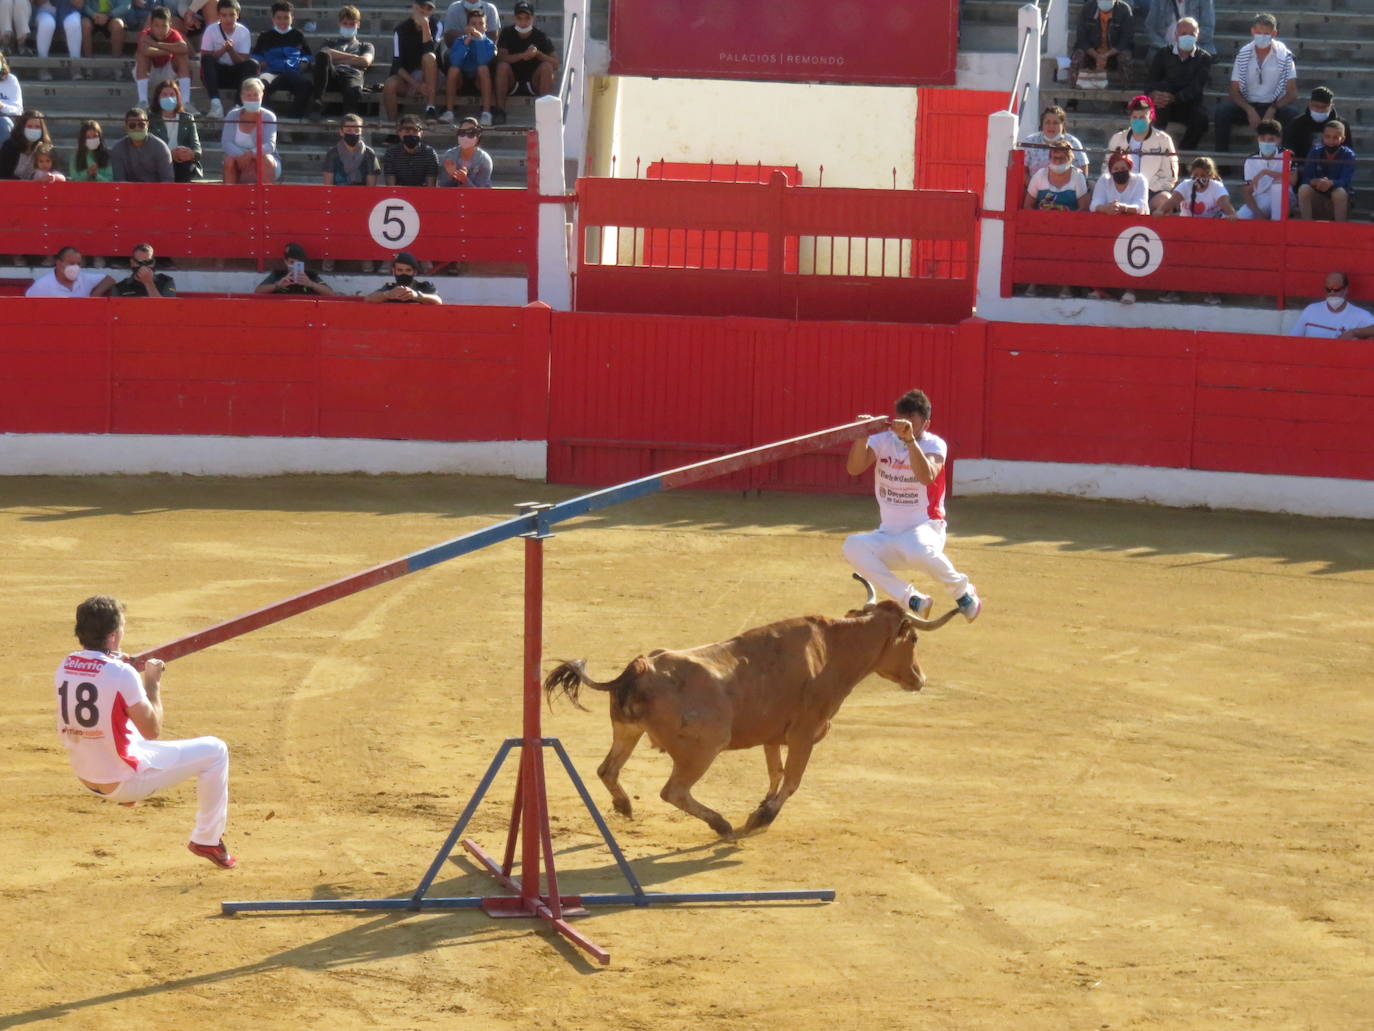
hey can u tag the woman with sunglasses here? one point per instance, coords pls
(466, 164)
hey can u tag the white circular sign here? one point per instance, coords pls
(395, 224)
(1138, 251)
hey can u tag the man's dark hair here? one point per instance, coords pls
(1333, 124)
(1267, 20)
(228, 5)
(282, 5)
(1269, 127)
(410, 121)
(62, 252)
(479, 13)
(142, 247)
(96, 619)
(1322, 95)
(136, 112)
(160, 14)
(913, 402)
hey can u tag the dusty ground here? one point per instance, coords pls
(1135, 794)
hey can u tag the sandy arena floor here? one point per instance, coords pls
(1135, 794)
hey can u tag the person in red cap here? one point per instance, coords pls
(1152, 150)
(1121, 191)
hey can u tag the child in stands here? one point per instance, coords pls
(44, 157)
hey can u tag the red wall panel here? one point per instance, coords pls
(952, 137)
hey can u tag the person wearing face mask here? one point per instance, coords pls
(1326, 180)
(11, 99)
(1152, 150)
(283, 58)
(1161, 23)
(225, 55)
(162, 53)
(1336, 316)
(1120, 191)
(1059, 186)
(176, 127)
(466, 164)
(144, 278)
(68, 279)
(351, 162)
(140, 157)
(470, 63)
(1201, 195)
(1263, 190)
(293, 278)
(1264, 83)
(16, 153)
(1177, 81)
(341, 64)
(456, 20)
(239, 140)
(1306, 129)
(411, 161)
(404, 288)
(526, 61)
(1106, 35)
(1054, 122)
(90, 160)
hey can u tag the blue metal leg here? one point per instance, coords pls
(600, 821)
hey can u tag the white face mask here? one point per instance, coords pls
(70, 272)
(1263, 42)
(252, 106)
(1335, 302)
(283, 31)
(33, 135)
(1319, 116)
(1061, 169)
(524, 30)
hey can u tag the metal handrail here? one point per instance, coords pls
(1014, 101)
(570, 68)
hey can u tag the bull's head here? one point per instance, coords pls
(898, 661)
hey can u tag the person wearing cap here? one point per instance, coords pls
(293, 277)
(1152, 150)
(526, 60)
(404, 288)
(1121, 191)
(466, 164)
(416, 44)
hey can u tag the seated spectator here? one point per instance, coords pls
(14, 29)
(412, 161)
(1106, 37)
(162, 53)
(469, 63)
(1121, 191)
(16, 153)
(404, 288)
(191, 16)
(466, 164)
(1152, 150)
(139, 157)
(1161, 24)
(1202, 195)
(1264, 82)
(1326, 193)
(11, 98)
(1336, 316)
(105, 20)
(525, 60)
(293, 278)
(1177, 81)
(283, 58)
(416, 44)
(44, 158)
(176, 127)
(341, 65)
(239, 138)
(1058, 186)
(1306, 129)
(351, 162)
(76, 29)
(1263, 189)
(456, 19)
(226, 58)
(90, 160)
(144, 279)
(1054, 124)
(68, 279)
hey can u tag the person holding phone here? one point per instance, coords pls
(293, 277)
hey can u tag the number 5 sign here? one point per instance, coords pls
(395, 224)
(1138, 251)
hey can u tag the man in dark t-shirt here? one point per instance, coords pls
(412, 161)
(341, 64)
(525, 60)
(293, 277)
(404, 288)
(145, 281)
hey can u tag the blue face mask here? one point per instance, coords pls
(1139, 125)
(1187, 43)
(1105, 5)
(252, 106)
(1263, 41)
(1268, 148)
(167, 103)
(348, 31)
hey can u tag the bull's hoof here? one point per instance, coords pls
(722, 827)
(623, 807)
(760, 817)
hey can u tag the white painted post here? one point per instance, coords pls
(1002, 137)
(1057, 29)
(1028, 19)
(555, 261)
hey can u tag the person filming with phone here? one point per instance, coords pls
(293, 277)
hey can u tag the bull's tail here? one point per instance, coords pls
(570, 676)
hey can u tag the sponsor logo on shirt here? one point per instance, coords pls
(81, 666)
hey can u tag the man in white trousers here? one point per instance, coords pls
(909, 482)
(109, 715)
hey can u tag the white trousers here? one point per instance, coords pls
(875, 554)
(14, 18)
(171, 762)
(1271, 205)
(46, 25)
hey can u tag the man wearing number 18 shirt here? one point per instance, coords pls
(109, 716)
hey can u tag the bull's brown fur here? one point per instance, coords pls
(772, 686)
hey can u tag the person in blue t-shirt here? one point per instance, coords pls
(1326, 190)
(469, 61)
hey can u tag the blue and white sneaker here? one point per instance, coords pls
(920, 604)
(970, 605)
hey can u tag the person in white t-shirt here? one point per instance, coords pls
(1121, 191)
(1336, 316)
(109, 716)
(1201, 195)
(68, 279)
(1263, 189)
(909, 483)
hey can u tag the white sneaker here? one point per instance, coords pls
(1066, 293)
(1170, 297)
(920, 604)
(1212, 299)
(216, 108)
(1128, 297)
(1031, 290)
(970, 604)
(484, 119)
(446, 118)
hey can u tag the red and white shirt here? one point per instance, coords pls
(95, 692)
(903, 501)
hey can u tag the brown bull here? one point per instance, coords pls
(774, 685)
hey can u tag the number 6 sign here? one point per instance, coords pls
(394, 224)
(1138, 251)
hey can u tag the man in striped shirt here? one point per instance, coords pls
(1264, 83)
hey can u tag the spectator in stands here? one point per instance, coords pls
(1306, 129)
(404, 288)
(1106, 36)
(1054, 125)
(1121, 191)
(1058, 186)
(239, 138)
(1326, 193)
(341, 65)
(162, 53)
(44, 160)
(1263, 189)
(105, 20)
(1177, 81)
(11, 99)
(74, 27)
(456, 19)
(467, 164)
(144, 279)
(416, 44)
(1161, 24)
(1264, 82)
(1201, 195)
(226, 58)
(525, 60)
(90, 160)
(14, 27)
(140, 157)
(1336, 316)
(68, 279)
(412, 161)
(351, 162)
(283, 58)
(293, 278)
(1152, 150)
(16, 153)
(176, 127)
(470, 61)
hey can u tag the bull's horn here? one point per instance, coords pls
(872, 594)
(931, 624)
